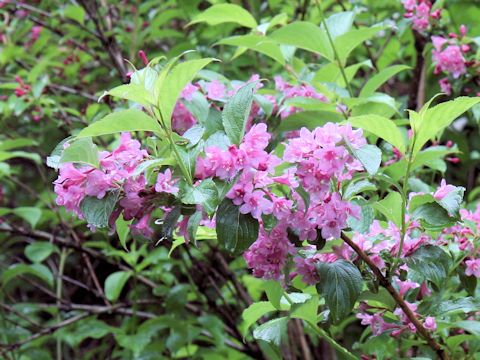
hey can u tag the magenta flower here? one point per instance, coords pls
(443, 190)
(165, 183)
(430, 323)
(473, 267)
(215, 90)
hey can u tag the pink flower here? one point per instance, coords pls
(445, 86)
(35, 33)
(473, 268)
(430, 323)
(165, 183)
(406, 285)
(421, 19)
(143, 57)
(215, 90)
(448, 59)
(182, 118)
(141, 227)
(188, 91)
(256, 204)
(443, 190)
(268, 254)
(306, 268)
(97, 184)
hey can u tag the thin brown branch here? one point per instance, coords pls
(398, 299)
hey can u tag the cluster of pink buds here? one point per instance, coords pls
(319, 160)
(116, 173)
(22, 88)
(449, 56)
(421, 14)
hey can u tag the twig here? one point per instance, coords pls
(73, 91)
(417, 72)
(20, 315)
(398, 299)
(44, 332)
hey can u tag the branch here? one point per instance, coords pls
(398, 299)
(416, 87)
(44, 332)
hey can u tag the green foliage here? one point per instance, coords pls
(115, 283)
(124, 120)
(235, 231)
(69, 291)
(97, 211)
(430, 263)
(236, 112)
(341, 285)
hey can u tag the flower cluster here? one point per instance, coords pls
(420, 12)
(319, 160)
(215, 94)
(448, 56)
(291, 91)
(116, 173)
(22, 88)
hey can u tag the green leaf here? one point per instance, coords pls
(432, 214)
(308, 119)
(170, 89)
(272, 331)
(418, 200)
(133, 92)
(254, 312)
(390, 207)
(225, 13)
(194, 134)
(236, 112)
(257, 43)
(120, 121)
(97, 211)
(274, 292)
(114, 284)
(145, 165)
(383, 76)
(38, 270)
(192, 225)
(188, 156)
(340, 23)
(362, 225)
(304, 35)
(123, 230)
(30, 214)
(429, 122)
(204, 194)
(235, 231)
(382, 127)
(429, 263)
(74, 12)
(10, 144)
(199, 107)
(462, 305)
(74, 334)
(357, 187)
(469, 325)
(426, 157)
(370, 156)
(347, 42)
(340, 283)
(6, 155)
(452, 201)
(218, 139)
(39, 251)
(306, 311)
(82, 151)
